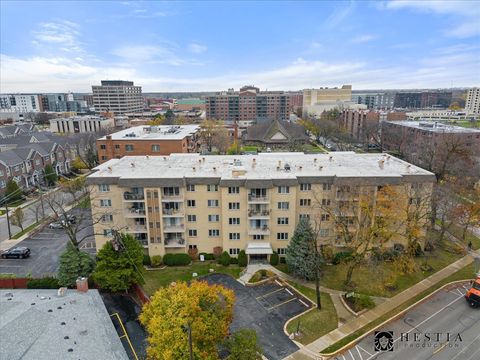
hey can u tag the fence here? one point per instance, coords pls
(13, 283)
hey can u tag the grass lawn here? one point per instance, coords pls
(16, 202)
(313, 148)
(250, 148)
(259, 277)
(463, 274)
(457, 231)
(159, 278)
(26, 230)
(314, 323)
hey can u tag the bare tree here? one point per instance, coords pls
(18, 217)
(214, 134)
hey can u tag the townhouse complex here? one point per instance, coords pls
(188, 201)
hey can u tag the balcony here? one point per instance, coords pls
(173, 228)
(142, 239)
(174, 242)
(258, 214)
(133, 229)
(134, 213)
(263, 230)
(130, 196)
(175, 212)
(258, 199)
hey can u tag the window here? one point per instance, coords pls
(190, 187)
(281, 251)
(304, 216)
(305, 187)
(117, 147)
(104, 157)
(191, 218)
(103, 187)
(323, 232)
(37, 161)
(234, 236)
(283, 189)
(213, 218)
(107, 218)
(128, 147)
(105, 202)
(212, 203)
(325, 217)
(150, 224)
(234, 251)
(283, 205)
(2, 184)
(191, 203)
(103, 146)
(305, 202)
(282, 236)
(212, 188)
(192, 246)
(157, 224)
(155, 148)
(192, 232)
(327, 187)
(282, 221)
(234, 221)
(234, 190)
(234, 206)
(214, 233)
(107, 232)
(326, 202)
(258, 237)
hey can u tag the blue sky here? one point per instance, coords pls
(62, 46)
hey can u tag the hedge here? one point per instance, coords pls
(146, 260)
(43, 283)
(176, 259)
(233, 260)
(274, 259)
(341, 257)
(224, 259)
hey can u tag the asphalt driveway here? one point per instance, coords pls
(46, 247)
(265, 309)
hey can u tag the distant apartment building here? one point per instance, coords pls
(362, 125)
(81, 124)
(247, 105)
(472, 105)
(437, 115)
(62, 103)
(149, 140)
(171, 204)
(420, 142)
(19, 103)
(423, 99)
(296, 101)
(117, 96)
(374, 99)
(190, 105)
(316, 101)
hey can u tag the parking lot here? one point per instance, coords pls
(46, 247)
(428, 331)
(264, 308)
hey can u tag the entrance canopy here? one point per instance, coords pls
(259, 249)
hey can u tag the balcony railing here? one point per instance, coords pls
(174, 242)
(134, 212)
(136, 229)
(258, 213)
(257, 198)
(172, 212)
(173, 228)
(129, 196)
(261, 230)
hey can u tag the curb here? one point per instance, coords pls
(350, 310)
(354, 341)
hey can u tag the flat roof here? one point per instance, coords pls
(436, 127)
(39, 325)
(151, 132)
(262, 166)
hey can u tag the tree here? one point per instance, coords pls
(224, 259)
(242, 259)
(118, 263)
(12, 192)
(214, 134)
(467, 213)
(159, 120)
(179, 314)
(169, 117)
(243, 345)
(17, 217)
(50, 175)
(74, 264)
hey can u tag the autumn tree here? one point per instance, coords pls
(467, 212)
(158, 120)
(214, 135)
(187, 320)
(18, 217)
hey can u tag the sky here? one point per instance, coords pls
(49, 46)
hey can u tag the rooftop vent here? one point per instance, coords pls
(109, 169)
(287, 167)
(132, 164)
(320, 168)
(315, 160)
(237, 162)
(61, 292)
(194, 169)
(330, 158)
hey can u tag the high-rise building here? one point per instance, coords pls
(174, 203)
(423, 99)
(248, 104)
(316, 101)
(117, 97)
(377, 100)
(472, 105)
(19, 103)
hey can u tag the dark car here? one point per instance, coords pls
(19, 252)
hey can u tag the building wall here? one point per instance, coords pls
(472, 105)
(359, 123)
(80, 125)
(119, 97)
(19, 103)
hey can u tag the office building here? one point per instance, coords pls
(472, 105)
(316, 101)
(247, 202)
(149, 140)
(81, 124)
(118, 97)
(436, 99)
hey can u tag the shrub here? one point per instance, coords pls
(274, 259)
(364, 301)
(417, 249)
(233, 260)
(156, 260)
(224, 259)
(342, 256)
(242, 259)
(44, 283)
(263, 273)
(283, 260)
(146, 260)
(217, 251)
(176, 259)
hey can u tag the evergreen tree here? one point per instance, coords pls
(50, 175)
(12, 191)
(73, 264)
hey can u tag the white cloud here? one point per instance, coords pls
(62, 34)
(364, 38)
(197, 48)
(339, 14)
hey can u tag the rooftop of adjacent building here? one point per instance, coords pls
(81, 118)
(116, 83)
(289, 165)
(157, 132)
(436, 127)
(39, 324)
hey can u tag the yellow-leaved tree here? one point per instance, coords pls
(184, 320)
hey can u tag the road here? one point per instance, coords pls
(445, 312)
(29, 214)
(46, 247)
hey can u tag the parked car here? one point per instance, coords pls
(19, 252)
(56, 224)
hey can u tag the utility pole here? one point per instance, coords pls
(8, 220)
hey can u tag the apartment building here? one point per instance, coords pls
(149, 140)
(360, 124)
(472, 105)
(81, 124)
(316, 101)
(247, 105)
(117, 96)
(439, 99)
(378, 100)
(19, 103)
(188, 201)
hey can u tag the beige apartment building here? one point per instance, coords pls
(252, 203)
(316, 101)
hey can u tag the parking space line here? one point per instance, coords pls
(459, 292)
(465, 348)
(288, 291)
(283, 303)
(471, 357)
(361, 357)
(268, 294)
(306, 305)
(279, 283)
(363, 350)
(351, 354)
